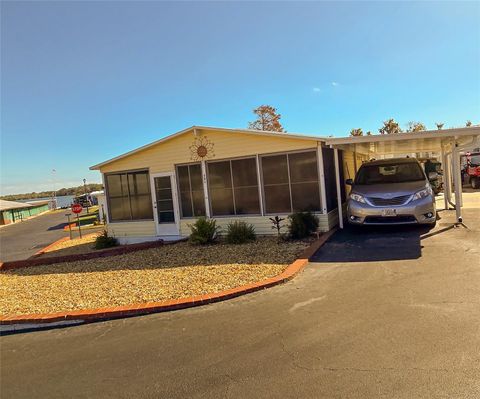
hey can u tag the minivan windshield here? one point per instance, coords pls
(389, 173)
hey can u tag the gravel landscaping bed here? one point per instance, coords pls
(71, 247)
(169, 272)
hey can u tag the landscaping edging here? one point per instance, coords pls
(101, 253)
(54, 244)
(45, 249)
(91, 315)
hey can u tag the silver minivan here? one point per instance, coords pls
(391, 191)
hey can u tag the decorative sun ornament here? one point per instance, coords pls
(201, 149)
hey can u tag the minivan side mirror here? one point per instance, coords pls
(349, 182)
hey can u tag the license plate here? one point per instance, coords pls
(389, 212)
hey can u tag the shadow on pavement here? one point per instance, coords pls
(373, 244)
(57, 227)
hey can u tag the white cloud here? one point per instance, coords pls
(316, 89)
(334, 84)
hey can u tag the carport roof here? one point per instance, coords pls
(405, 143)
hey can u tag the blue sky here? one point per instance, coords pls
(85, 81)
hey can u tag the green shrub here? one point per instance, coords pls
(105, 241)
(240, 232)
(302, 224)
(204, 231)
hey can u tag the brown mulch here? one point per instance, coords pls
(157, 274)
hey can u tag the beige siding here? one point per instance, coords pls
(348, 167)
(164, 156)
(132, 229)
(323, 223)
(262, 224)
(349, 170)
(332, 218)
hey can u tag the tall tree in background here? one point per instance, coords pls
(439, 125)
(468, 124)
(356, 132)
(415, 127)
(390, 127)
(267, 119)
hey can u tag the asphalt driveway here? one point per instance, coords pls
(22, 240)
(408, 327)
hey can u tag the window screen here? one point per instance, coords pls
(304, 181)
(192, 198)
(129, 196)
(233, 187)
(221, 191)
(276, 184)
(330, 177)
(290, 182)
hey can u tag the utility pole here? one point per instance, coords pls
(85, 190)
(54, 194)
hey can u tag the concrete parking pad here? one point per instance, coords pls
(402, 328)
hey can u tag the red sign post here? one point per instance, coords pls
(77, 208)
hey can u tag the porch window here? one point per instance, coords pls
(290, 182)
(233, 187)
(129, 196)
(192, 200)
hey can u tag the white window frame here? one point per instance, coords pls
(320, 179)
(205, 194)
(260, 199)
(165, 229)
(107, 195)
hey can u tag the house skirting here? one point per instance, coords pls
(134, 232)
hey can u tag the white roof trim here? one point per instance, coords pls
(427, 134)
(193, 128)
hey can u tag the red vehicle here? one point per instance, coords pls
(472, 169)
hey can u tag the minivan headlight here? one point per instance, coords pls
(358, 198)
(422, 193)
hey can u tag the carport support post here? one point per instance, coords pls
(339, 190)
(321, 174)
(205, 188)
(457, 182)
(448, 178)
(446, 186)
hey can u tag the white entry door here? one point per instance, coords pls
(165, 204)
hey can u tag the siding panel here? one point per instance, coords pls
(163, 157)
(130, 229)
(262, 224)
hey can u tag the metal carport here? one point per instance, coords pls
(448, 143)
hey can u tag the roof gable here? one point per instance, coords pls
(193, 130)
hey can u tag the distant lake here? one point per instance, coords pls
(62, 201)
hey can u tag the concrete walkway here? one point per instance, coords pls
(402, 328)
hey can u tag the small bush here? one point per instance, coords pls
(105, 241)
(204, 231)
(302, 224)
(240, 232)
(277, 225)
